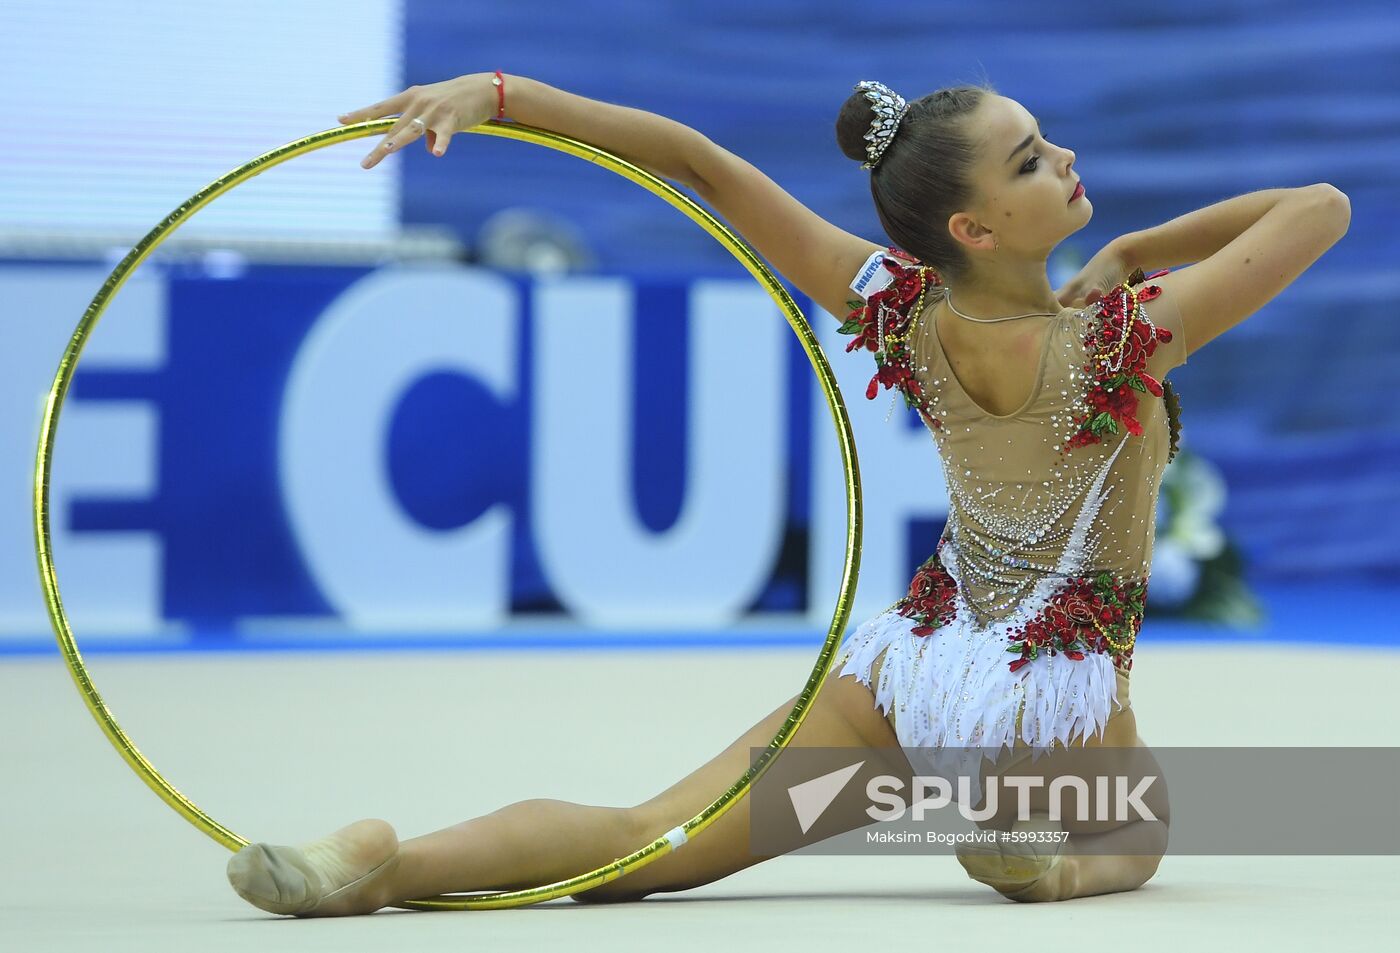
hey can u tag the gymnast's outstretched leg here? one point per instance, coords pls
(363, 867)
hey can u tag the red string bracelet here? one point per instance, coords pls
(500, 83)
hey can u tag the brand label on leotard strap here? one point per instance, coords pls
(872, 277)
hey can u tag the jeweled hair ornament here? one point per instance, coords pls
(889, 108)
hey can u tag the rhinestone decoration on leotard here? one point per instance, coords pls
(1006, 551)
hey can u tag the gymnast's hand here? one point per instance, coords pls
(1105, 270)
(445, 109)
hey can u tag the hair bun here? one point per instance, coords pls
(852, 123)
(886, 109)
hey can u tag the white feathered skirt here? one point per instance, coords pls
(955, 699)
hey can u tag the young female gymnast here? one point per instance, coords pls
(1052, 426)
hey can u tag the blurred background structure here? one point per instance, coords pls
(280, 422)
(479, 437)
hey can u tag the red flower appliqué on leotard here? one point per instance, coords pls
(930, 601)
(1119, 346)
(887, 318)
(1085, 615)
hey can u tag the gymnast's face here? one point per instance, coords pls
(1024, 184)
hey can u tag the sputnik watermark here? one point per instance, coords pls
(1225, 801)
(935, 793)
(965, 837)
(811, 798)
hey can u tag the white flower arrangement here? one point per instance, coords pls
(1196, 571)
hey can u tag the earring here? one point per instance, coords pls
(996, 245)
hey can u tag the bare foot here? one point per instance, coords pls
(331, 877)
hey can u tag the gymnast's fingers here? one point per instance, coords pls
(380, 109)
(401, 132)
(435, 125)
(394, 104)
(440, 129)
(435, 128)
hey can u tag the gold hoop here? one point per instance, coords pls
(68, 364)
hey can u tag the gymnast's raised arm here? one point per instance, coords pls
(816, 256)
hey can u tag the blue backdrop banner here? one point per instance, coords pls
(443, 448)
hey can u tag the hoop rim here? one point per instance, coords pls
(68, 365)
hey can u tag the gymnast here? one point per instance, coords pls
(1053, 429)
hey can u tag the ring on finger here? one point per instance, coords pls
(422, 126)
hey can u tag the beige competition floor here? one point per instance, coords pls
(286, 746)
